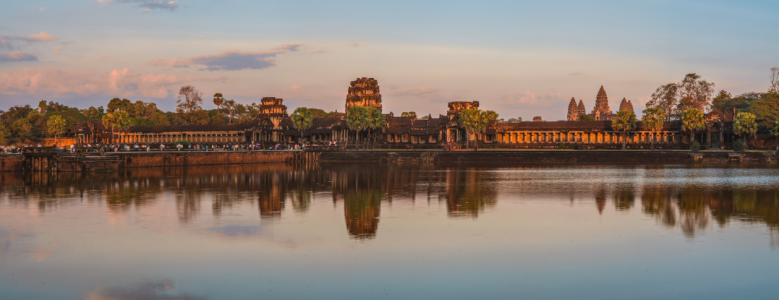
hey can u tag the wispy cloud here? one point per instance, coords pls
(41, 37)
(9, 41)
(355, 44)
(532, 99)
(231, 60)
(146, 5)
(416, 91)
(18, 56)
(119, 82)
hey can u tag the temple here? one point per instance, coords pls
(273, 125)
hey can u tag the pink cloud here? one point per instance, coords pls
(295, 87)
(417, 91)
(119, 82)
(532, 99)
(41, 37)
(231, 60)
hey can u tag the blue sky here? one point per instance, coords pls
(519, 58)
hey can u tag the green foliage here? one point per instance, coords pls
(721, 102)
(745, 124)
(624, 121)
(93, 113)
(409, 114)
(184, 143)
(21, 128)
(738, 145)
(56, 126)
(653, 119)
(692, 120)
(319, 113)
(358, 118)
(302, 119)
(133, 122)
(695, 146)
(560, 145)
(159, 119)
(766, 109)
(218, 100)
(5, 134)
(376, 118)
(586, 118)
(115, 120)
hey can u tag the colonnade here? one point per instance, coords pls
(142, 138)
(607, 137)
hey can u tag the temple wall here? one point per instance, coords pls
(143, 160)
(540, 157)
(10, 162)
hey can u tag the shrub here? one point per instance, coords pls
(695, 146)
(561, 145)
(184, 143)
(738, 145)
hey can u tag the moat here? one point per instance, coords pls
(414, 230)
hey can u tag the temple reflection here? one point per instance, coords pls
(670, 195)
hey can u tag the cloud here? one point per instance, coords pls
(355, 44)
(295, 87)
(118, 82)
(7, 41)
(532, 99)
(320, 51)
(58, 49)
(18, 56)
(231, 60)
(417, 91)
(147, 290)
(146, 5)
(41, 37)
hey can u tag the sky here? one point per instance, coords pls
(519, 58)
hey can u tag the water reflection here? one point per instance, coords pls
(688, 199)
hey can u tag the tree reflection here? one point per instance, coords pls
(468, 193)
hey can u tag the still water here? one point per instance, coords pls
(393, 231)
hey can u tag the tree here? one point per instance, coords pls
(114, 120)
(624, 121)
(92, 112)
(665, 98)
(766, 109)
(318, 113)
(4, 134)
(515, 120)
(376, 120)
(159, 119)
(189, 99)
(775, 132)
(721, 102)
(357, 119)
(474, 121)
(409, 114)
(21, 128)
(218, 100)
(56, 126)
(694, 93)
(586, 118)
(653, 121)
(692, 120)
(745, 124)
(302, 119)
(230, 107)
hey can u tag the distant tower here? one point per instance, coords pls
(363, 92)
(601, 111)
(273, 109)
(625, 105)
(582, 110)
(573, 111)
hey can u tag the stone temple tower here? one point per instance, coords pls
(626, 105)
(573, 111)
(601, 111)
(364, 92)
(582, 110)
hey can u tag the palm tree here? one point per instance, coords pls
(357, 120)
(624, 121)
(692, 120)
(653, 121)
(302, 119)
(218, 100)
(745, 125)
(376, 119)
(114, 120)
(474, 121)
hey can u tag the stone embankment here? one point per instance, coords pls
(548, 157)
(10, 162)
(171, 159)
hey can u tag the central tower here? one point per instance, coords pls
(364, 92)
